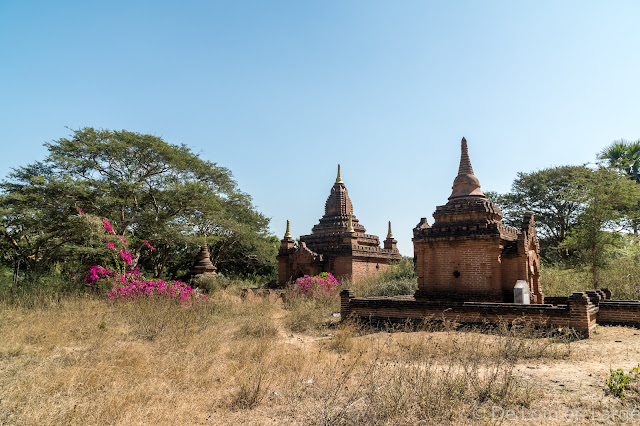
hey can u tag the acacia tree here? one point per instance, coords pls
(148, 188)
(554, 195)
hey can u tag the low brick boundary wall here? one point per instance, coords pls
(619, 312)
(553, 300)
(579, 313)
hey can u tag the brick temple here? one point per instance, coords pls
(338, 244)
(471, 266)
(469, 254)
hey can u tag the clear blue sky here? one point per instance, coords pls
(281, 91)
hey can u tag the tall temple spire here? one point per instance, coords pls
(465, 162)
(287, 233)
(466, 184)
(338, 202)
(339, 178)
(389, 234)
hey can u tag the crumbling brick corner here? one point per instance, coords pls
(345, 307)
(582, 314)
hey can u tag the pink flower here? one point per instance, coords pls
(108, 226)
(80, 211)
(133, 286)
(97, 272)
(325, 283)
(111, 246)
(149, 245)
(122, 239)
(126, 256)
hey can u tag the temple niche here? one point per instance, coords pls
(337, 244)
(469, 254)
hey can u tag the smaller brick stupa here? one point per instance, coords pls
(469, 254)
(203, 265)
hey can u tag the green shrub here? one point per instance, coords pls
(558, 281)
(210, 283)
(399, 279)
(617, 382)
(395, 287)
(37, 290)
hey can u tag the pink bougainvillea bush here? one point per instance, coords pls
(126, 281)
(147, 288)
(322, 284)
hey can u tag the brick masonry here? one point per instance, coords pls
(580, 313)
(469, 254)
(619, 312)
(338, 244)
(468, 263)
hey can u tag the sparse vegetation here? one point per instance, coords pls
(618, 381)
(399, 279)
(622, 277)
(234, 360)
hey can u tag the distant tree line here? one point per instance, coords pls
(584, 214)
(51, 211)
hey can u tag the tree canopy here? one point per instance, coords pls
(149, 189)
(554, 195)
(580, 212)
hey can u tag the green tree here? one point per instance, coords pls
(625, 156)
(554, 195)
(148, 188)
(607, 197)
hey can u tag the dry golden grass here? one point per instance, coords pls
(256, 361)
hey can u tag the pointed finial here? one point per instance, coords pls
(465, 163)
(389, 234)
(350, 224)
(339, 178)
(204, 240)
(466, 184)
(287, 233)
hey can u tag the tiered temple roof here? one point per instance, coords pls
(337, 244)
(333, 226)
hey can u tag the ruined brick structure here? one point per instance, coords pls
(203, 265)
(337, 244)
(468, 263)
(469, 254)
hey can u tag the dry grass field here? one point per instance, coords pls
(84, 361)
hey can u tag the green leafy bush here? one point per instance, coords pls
(618, 380)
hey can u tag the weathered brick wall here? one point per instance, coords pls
(460, 269)
(342, 267)
(579, 314)
(625, 312)
(513, 268)
(284, 275)
(366, 268)
(289, 271)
